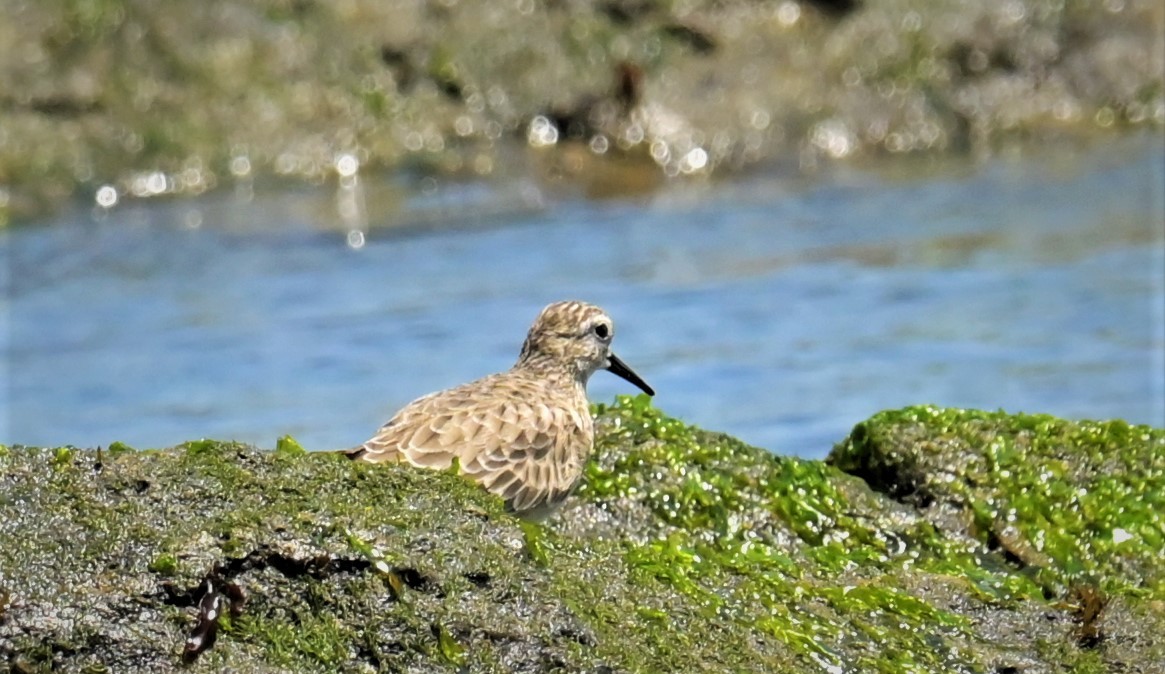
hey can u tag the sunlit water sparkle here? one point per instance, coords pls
(781, 311)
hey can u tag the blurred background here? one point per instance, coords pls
(242, 220)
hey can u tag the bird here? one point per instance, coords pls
(524, 434)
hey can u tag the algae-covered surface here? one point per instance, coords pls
(1068, 502)
(987, 543)
(147, 99)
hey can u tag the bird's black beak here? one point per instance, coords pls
(620, 368)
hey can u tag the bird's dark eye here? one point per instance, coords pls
(602, 331)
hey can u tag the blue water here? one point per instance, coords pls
(780, 309)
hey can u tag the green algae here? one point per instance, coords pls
(289, 446)
(1072, 502)
(745, 519)
(791, 537)
(62, 457)
(453, 652)
(685, 550)
(119, 448)
(164, 564)
(301, 640)
(535, 543)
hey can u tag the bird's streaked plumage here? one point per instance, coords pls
(523, 434)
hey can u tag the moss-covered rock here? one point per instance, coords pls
(1069, 502)
(183, 96)
(685, 551)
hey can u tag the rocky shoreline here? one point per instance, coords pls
(931, 540)
(114, 101)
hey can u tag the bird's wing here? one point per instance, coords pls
(529, 453)
(535, 457)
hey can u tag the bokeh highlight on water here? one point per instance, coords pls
(780, 310)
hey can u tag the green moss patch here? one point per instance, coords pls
(1069, 503)
(684, 551)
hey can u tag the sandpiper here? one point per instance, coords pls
(523, 434)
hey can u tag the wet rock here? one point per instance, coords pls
(982, 542)
(182, 98)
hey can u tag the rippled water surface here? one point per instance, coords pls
(782, 311)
